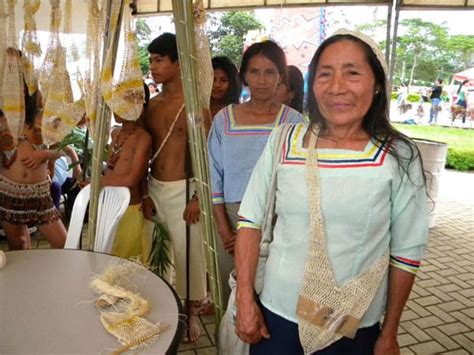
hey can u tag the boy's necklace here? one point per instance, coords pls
(117, 147)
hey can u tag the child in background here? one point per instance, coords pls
(227, 85)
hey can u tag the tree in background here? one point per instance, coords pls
(143, 33)
(227, 32)
(425, 50)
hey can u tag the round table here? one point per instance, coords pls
(46, 305)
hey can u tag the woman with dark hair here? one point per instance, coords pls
(291, 92)
(25, 197)
(459, 107)
(350, 219)
(237, 138)
(227, 86)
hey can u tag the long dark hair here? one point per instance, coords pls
(235, 85)
(296, 84)
(376, 122)
(269, 50)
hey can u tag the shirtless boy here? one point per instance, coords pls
(169, 172)
(25, 197)
(127, 165)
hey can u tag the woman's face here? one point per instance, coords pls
(262, 77)
(283, 94)
(220, 86)
(344, 84)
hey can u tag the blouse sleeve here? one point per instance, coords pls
(252, 208)
(409, 219)
(214, 144)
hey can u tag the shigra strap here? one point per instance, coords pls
(268, 219)
(170, 130)
(325, 310)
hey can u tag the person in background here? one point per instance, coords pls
(127, 165)
(25, 196)
(152, 87)
(226, 87)
(435, 97)
(171, 187)
(64, 184)
(461, 103)
(351, 217)
(291, 92)
(238, 135)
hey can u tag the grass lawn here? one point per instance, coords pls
(457, 138)
(460, 142)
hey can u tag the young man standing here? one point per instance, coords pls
(435, 97)
(169, 186)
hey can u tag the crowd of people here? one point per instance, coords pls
(322, 220)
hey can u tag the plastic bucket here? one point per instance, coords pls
(434, 159)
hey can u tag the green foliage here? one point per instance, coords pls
(394, 95)
(413, 98)
(460, 143)
(226, 34)
(460, 160)
(143, 33)
(159, 260)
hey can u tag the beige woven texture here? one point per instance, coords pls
(125, 97)
(61, 114)
(122, 310)
(319, 285)
(204, 62)
(95, 30)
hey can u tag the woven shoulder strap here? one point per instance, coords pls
(267, 224)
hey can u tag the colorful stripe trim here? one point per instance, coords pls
(408, 265)
(247, 223)
(293, 153)
(231, 128)
(217, 198)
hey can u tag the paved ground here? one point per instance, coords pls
(439, 317)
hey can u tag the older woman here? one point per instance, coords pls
(237, 138)
(351, 218)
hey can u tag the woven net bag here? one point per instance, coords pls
(325, 310)
(125, 97)
(206, 72)
(122, 310)
(95, 30)
(3, 46)
(30, 44)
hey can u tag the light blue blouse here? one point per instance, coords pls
(368, 204)
(234, 150)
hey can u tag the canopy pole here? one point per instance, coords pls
(102, 127)
(183, 15)
(389, 29)
(394, 41)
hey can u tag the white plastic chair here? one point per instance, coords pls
(113, 202)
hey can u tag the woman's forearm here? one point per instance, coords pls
(223, 226)
(246, 259)
(400, 283)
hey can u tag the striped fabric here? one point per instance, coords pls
(408, 265)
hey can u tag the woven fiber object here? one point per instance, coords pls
(126, 96)
(203, 54)
(30, 44)
(3, 46)
(13, 97)
(95, 31)
(124, 320)
(325, 310)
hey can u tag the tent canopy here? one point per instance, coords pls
(149, 7)
(464, 75)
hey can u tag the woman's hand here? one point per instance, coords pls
(149, 210)
(229, 242)
(386, 345)
(191, 212)
(250, 327)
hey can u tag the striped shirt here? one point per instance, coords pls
(234, 150)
